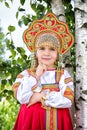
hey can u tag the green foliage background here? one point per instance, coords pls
(18, 60)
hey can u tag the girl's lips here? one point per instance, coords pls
(46, 58)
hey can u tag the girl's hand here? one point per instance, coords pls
(40, 70)
(36, 97)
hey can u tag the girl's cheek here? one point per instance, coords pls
(37, 54)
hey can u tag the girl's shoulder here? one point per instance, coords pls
(26, 72)
(62, 73)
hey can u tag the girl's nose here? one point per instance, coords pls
(46, 52)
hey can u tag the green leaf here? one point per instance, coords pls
(20, 50)
(14, 62)
(33, 6)
(20, 22)
(11, 0)
(17, 14)
(4, 81)
(19, 60)
(24, 56)
(7, 5)
(10, 92)
(7, 74)
(11, 46)
(21, 9)
(13, 53)
(1, 35)
(40, 7)
(26, 20)
(34, 17)
(11, 28)
(22, 2)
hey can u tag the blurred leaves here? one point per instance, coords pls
(70, 16)
(9, 68)
(8, 111)
(40, 7)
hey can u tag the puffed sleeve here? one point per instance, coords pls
(23, 86)
(63, 98)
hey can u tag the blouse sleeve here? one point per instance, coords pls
(23, 87)
(63, 98)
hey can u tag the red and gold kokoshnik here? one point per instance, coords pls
(49, 23)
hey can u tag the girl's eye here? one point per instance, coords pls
(42, 48)
(52, 48)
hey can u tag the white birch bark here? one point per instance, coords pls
(58, 10)
(81, 63)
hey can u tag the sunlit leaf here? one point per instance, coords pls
(20, 60)
(11, 28)
(1, 35)
(20, 50)
(13, 53)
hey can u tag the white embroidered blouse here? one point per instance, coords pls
(61, 99)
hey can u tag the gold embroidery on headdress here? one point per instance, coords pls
(49, 23)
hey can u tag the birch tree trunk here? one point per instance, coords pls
(81, 63)
(58, 10)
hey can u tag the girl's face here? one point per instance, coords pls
(47, 55)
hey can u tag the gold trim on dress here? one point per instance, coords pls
(69, 93)
(51, 119)
(67, 80)
(15, 87)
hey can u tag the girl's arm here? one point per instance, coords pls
(24, 85)
(27, 83)
(63, 98)
(36, 97)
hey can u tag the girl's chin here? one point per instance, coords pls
(50, 67)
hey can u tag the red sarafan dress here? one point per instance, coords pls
(56, 114)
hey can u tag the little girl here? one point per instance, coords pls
(45, 91)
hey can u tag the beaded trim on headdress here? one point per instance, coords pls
(47, 39)
(51, 25)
